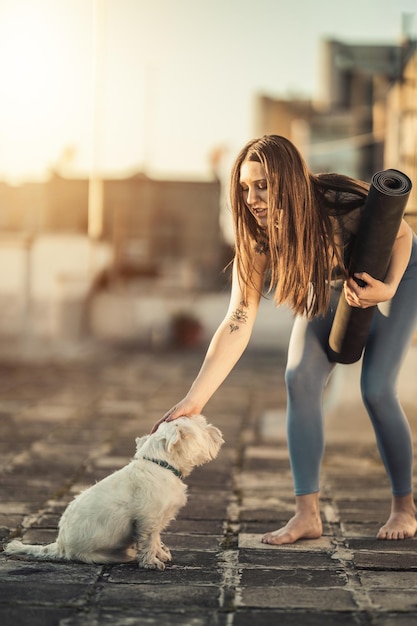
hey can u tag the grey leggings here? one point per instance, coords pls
(308, 370)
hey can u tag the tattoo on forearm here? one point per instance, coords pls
(239, 316)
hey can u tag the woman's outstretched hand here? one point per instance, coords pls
(368, 293)
(184, 408)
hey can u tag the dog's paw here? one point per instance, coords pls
(148, 562)
(155, 564)
(164, 554)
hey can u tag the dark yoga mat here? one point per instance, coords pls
(378, 229)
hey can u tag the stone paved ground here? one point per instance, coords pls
(66, 423)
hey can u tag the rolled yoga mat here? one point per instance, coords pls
(378, 229)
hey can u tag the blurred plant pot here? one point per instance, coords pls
(187, 330)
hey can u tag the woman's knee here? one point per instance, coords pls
(377, 392)
(302, 381)
(295, 380)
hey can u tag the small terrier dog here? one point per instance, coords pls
(120, 518)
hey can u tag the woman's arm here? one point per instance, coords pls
(376, 291)
(227, 345)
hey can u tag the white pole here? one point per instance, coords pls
(95, 186)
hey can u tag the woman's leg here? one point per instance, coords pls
(307, 372)
(308, 369)
(390, 336)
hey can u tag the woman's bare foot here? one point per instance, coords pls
(402, 522)
(306, 523)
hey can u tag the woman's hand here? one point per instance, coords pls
(184, 408)
(368, 293)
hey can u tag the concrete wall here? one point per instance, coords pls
(147, 318)
(44, 283)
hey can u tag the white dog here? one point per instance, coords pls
(120, 518)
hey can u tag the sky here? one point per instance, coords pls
(121, 86)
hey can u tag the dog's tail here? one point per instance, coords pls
(48, 552)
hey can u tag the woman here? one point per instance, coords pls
(296, 229)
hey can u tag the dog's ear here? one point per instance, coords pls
(216, 440)
(140, 441)
(173, 437)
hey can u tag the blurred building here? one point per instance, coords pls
(157, 237)
(167, 229)
(397, 115)
(365, 118)
(153, 226)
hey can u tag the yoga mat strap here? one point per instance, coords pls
(381, 218)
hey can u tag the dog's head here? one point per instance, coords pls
(185, 442)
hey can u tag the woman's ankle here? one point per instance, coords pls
(308, 504)
(403, 504)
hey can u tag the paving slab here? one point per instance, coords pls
(19, 615)
(396, 619)
(384, 561)
(288, 597)
(389, 579)
(146, 617)
(302, 577)
(173, 575)
(298, 618)
(20, 570)
(394, 600)
(380, 546)
(38, 593)
(285, 559)
(174, 596)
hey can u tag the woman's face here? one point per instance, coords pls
(255, 190)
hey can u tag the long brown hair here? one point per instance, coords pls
(299, 238)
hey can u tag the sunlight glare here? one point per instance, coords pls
(33, 69)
